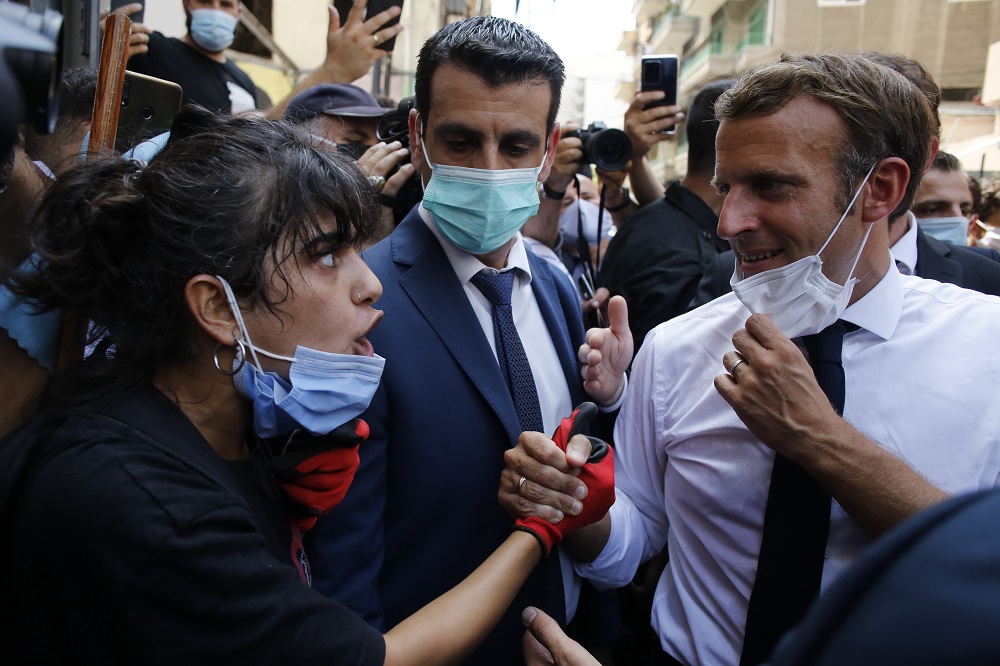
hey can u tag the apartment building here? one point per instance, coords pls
(720, 38)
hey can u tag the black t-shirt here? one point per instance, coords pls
(134, 542)
(217, 86)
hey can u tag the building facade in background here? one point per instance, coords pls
(720, 38)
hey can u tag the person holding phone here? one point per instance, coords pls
(198, 61)
(658, 258)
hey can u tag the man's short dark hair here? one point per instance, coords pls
(884, 114)
(701, 126)
(497, 50)
(946, 162)
(917, 75)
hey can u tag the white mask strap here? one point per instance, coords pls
(844, 216)
(231, 297)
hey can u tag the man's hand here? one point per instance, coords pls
(546, 643)
(598, 304)
(565, 164)
(551, 488)
(138, 41)
(645, 126)
(352, 48)
(606, 354)
(774, 390)
(379, 161)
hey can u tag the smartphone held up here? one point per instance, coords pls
(659, 72)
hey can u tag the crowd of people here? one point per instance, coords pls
(292, 384)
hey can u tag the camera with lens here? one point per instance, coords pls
(395, 126)
(30, 68)
(606, 148)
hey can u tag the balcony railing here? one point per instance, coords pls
(752, 39)
(700, 56)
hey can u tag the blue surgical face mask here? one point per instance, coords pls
(478, 210)
(954, 230)
(323, 390)
(212, 29)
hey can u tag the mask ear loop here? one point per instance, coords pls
(844, 216)
(231, 297)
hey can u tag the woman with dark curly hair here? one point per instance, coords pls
(152, 512)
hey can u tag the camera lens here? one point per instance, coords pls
(609, 149)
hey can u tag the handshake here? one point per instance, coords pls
(542, 476)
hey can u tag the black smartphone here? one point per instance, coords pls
(374, 7)
(659, 72)
(135, 18)
(148, 108)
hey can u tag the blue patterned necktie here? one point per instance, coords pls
(497, 288)
(796, 521)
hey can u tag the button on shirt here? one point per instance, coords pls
(690, 475)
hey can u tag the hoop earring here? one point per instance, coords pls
(241, 357)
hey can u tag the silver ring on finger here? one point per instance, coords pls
(520, 486)
(378, 182)
(732, 370)
(377, 39)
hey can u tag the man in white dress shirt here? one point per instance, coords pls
(814, 154)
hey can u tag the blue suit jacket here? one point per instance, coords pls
(926, 593)
(422, 512)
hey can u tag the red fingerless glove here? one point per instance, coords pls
(598, 475)
(316, 471)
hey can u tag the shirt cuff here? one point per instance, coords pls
(617, 403)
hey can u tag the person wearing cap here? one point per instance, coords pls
(345, 117)
(340, 113)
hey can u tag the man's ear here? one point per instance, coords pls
(416, 140)
(550, 152)
(206, 299)
(886, 188)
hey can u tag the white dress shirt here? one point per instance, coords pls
(904, 251)
(690, 475)
(553, 393)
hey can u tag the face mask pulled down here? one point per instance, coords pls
(479, 210)
(325, 389)
(799, 297)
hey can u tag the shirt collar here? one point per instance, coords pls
(466, 265)
(879, 310)
(905, 249)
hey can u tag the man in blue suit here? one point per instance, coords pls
(423, 512)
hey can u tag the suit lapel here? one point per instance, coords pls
(436, 293)
(933, 262)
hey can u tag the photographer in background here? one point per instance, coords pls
(347, 118)
(570, 199)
